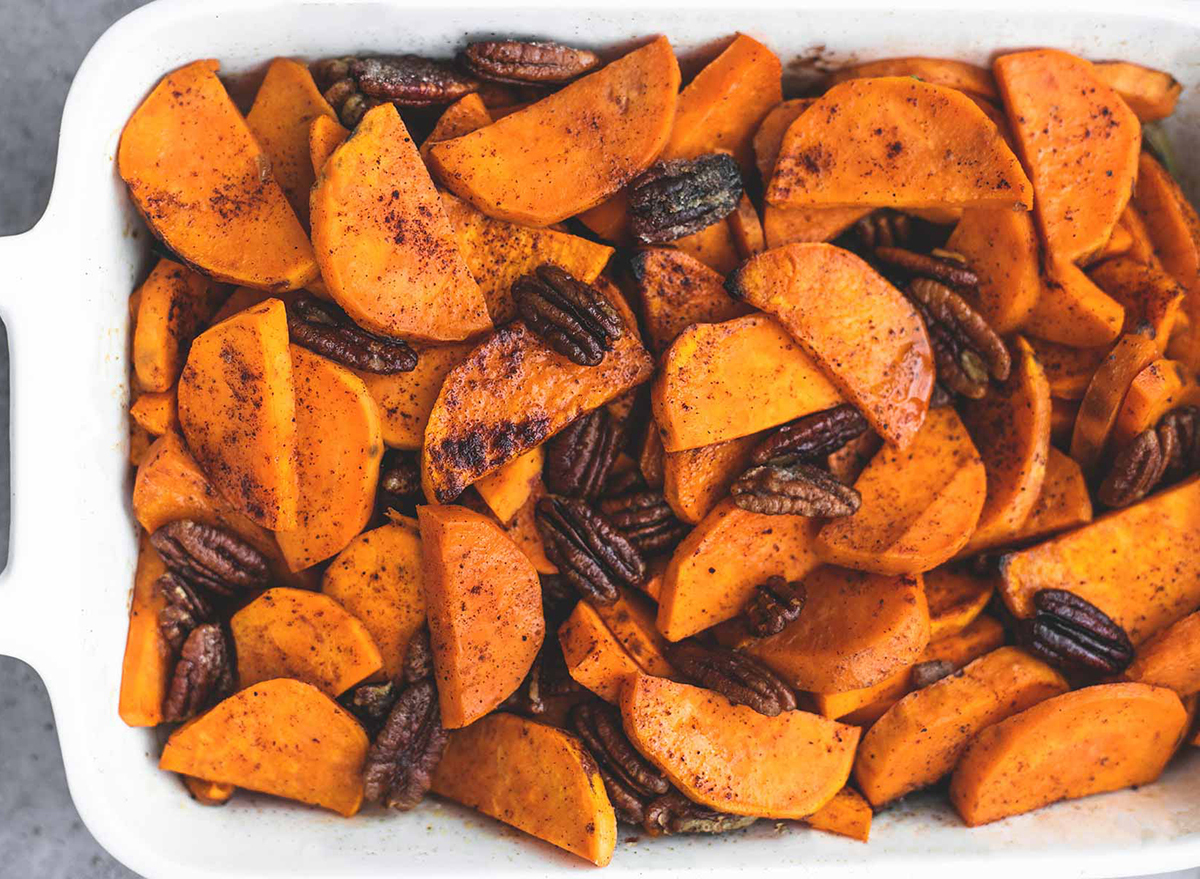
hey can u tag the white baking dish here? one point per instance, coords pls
(64, 595)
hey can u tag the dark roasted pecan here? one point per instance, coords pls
(948, 269)
(682, 196)
(939, 397)
(580, 456)
(736, 676)
(202, 676)
(548, 677)
(590, 552)
(418, 658)
(410, 80)
(211, 557)
(630, 780)
(885, 228)
(812, 437)
(371, 704)
(558, 599)
(186, 608)
(794, 489)
(966, 350)
(519, 62)
(1135, 470)
(926, 673)
(675, 813)
(1183, 457)
(571, 317)
(1075, 635)
(399, 483)
(626, 482)
(326, 329)
(646, 519)
(774, 604)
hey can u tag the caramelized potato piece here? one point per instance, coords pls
(324, 136)
(768, 139)
(956, 597)
(677, 290)
(807, 225)
(1063, 502)
(747, 230)
(695, 480)
(1072, 310)
(847, 814)
(1001, 247)
(1151, 297)
(173, 303)
(595, 658)
(149, 661)
(1102, 401)
(1151, 94)
(522, 531)
(405, 399)
(938, 71)
(1171, 658)
(1068, 370)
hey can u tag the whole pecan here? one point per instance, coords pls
(812, 437)
(679, 197)
(210, 556)
(625, 482)
(794, 489)
(947, 269)
(590, 552)
(926, 673)
(1075, 635)
(410, 80)
(966, 350)
(736, 676)
(1135, 470)
(520, 62)
(646, 519)
(1183, 456)
(885, 228)
(580, 456)
(675, 813)
(631, 781)
(371, 703)
(572, 317)
(186, 608)
(558, 599)
(203, 675)
(324, 328)
(400, 482)
(548, 677)
(773, 605)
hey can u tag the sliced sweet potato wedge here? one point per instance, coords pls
(1071, 309)
(857, 326)
(1089, 741)
(1068, 370)
(695, 480)
(847, 814)
(1156, 390)
(325, 135)
(1141, 247)
(1151, 297)
(522, 530)
(595, 658)
(651, 459)
(1150, 93)
(1001, 246)
(921, 737)
(405, 399)
(730, 757)
(939, 71)
(1063, 502)
(1118, 244)
(1102, 401)
(149, 661)
(202, 182)
(173, 303)
(537, 778)
(956, 597)
(280, 737)
(506, 490)
(465, 115)
(746, 226)
(631, 620)
(156, 412)
(768, 140)
(208, 793)
(807, 225)
(1171, 658)
(714, 246)
(294, 633)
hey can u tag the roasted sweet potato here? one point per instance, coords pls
(522, 530)
(1078, 140)
(677, 290)
(484, 604)
(173, 303)
(896, 142)
(746, 227)
(1071, 309)
(956, 596)
(149, 662)
(1001, 247)
(1156, 390)
(200, 179)
(571, 150)
(1089, 741)
(714, 246)
(238, 412)
(919, 506)
(246, 297)
(651, 459)
(768, 139)
(1151, 94)
(506, 490)
(857, 326)
(847, 814)
(1151, 297)
(537, 778)
(717, 566)
(921, 737)
(594, 657)
(1141, 247)
(324, 136)
(1171, 658)
(1063, 502)
(1139, 565)
(631, 620)
(155, 412)
(1068, 370)
(378, 579)
(294, 633)
(807, 225)
(939, 71)
(208, 793)
(280, 120)
(1118, 244)
(695, 480)
(280, 737)
(731, 758)
(388, 253)
(465, 115)
(1102, 401)
(405, 399)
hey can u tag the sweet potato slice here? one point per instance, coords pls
(807, 225)
(595, 658)
(847, 814)
(324, 136)
(714, 571)
(294, 633)
(1063, 502)
(155, 412)
(1150, 93)
(1139, 565)
(919, 506)
(1089, 741)
(1011, 429)
(1072, 310)
(768, 139)
(238, 412)
(939, 71)
(1001, 247)
(1078, 140)
(921, 737)
(280, 737)
(506, 490)
(173, 303)
(1068, 370)
(201, 180)
(1151, 297)
(571, 150)
(714, 246)
(280, 120)
(149, 661)
(208, 793)
(1119, 243)
(896, 142)
(695, 480)
(537, 778)
(1155, 391)
(405, 399)
(1102, 401)
(1141, 247)
(651, 459)
(746, 226)
(465, 115)
(631, 619)
(730, 757)
(1171, 658)
(522, 530)
(857, 326)
(484, 604)
(956, 597)
(378, 579)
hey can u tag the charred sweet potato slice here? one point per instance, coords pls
(1068, 370)
(149, 662)
(173, 303)
(956, 597)
(405, 399)
(594, 657)
(1071, 309)
(280, 737)
(1089, 741)
(847, 814)
(1171, 658)
(465, 115)
(939, 71)
(695, 480)
(537, 778)
(1150, 93)
(1150, 296)
(1156, 390)
(1001, 246)
(1102, 401)
(324, 136)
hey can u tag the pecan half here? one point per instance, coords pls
(646, 519)
(736, 676)
(926, 673)
(885, 228)
(186, 608)
(1075, 635)
(631, 781)
(519, 62)
(400, 481)
(371, 704)
(794, 489)
(675, 813)
(580, 456)
(558, 599)
(572, 317)
(590, 552)
(774, 604)
(812, 437)
(203, 675)
(966, 350)
(1135, 471)
(410, 80)
(324, 328)
(211, 557)
(625, 482)
(945, 269)
(1183, 456)
(679, 197)
(548, 677)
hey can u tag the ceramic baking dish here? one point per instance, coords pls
(64, 595)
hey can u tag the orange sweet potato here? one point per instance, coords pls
(595, 658)
(388, 253)
(956, 597)
(651, 459)
(1151, 94)
(695, 480)
(1141, 247)
(173, 303)
(208, 793)
(631, 619)
(1079, 142)
(716, 568)
(852, 322)
(155, 412)
(1118, 244)
(746, 226)
(730, 757)
(714, 246)
(465, 115)
(677, 290)
(280, 120)
(571, 150)
(1001, 247)
(1171, 658)
(378, 579)
(847, 814)
(921, 737)
(919, 506)
(1068, 370)
(768, 140)
(1139, 565)
(484, 604)
(506, 490)
(149, 662)
(1062, 421)
(200, 179)
(1089, 741)
(237, 410)
(807, 225)
(522, 531)
(324, 136)
(294, 633)
(245, 297)
(934, 147)
(1156, 390)
(1102, 401)
(405, 399)
(1063, 502)
(280, 737)
(1071, 309)
(939, 71)
(537, 778)
(1151, 297)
